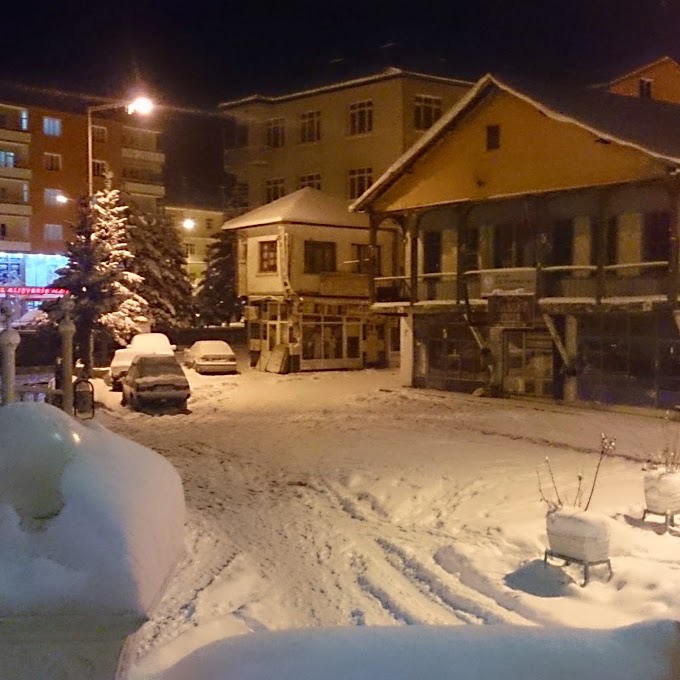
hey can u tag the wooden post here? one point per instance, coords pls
(674, 249)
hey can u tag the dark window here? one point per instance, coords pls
(645, 88)
(235, 134)
(611, 246)
(276, 133)
(268, 252)
(361, 258)
(426, 111)
(319, 257)
(493, 137)
(514, 246)
(361, 117)
(656, 237)
(561, 250)
(432, 252)
(359, 181)
(310, 126)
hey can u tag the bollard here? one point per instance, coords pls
(67, 330)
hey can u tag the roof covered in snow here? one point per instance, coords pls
(390, 72)
(650, 126)
(305, 206)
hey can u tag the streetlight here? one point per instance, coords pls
(141, 105)
(188, 224)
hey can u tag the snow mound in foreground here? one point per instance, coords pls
(649, 651)
(89, 520)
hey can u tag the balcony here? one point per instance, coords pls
(143, 181)
(12, 127)
(11, 204)
(149, 155)
(18, 171)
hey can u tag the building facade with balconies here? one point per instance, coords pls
(44, 173)
(338, 138)
(541, 230)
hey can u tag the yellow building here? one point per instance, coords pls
(658, 80)
(541, 252)
(303, 263)
(338, 138)
(197, 228)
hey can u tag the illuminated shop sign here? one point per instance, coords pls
(32, 291)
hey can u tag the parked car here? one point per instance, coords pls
(142, 343)
(210, 356)
(155, 379)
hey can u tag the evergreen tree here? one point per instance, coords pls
(97, 274)
(160, 262)
(216, 297)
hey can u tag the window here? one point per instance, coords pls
(99, 133)
(361, 117)
(7, 159)
(99, 168)
(268, 257)
(273, 189)
(359, 180)
(319, 257)
(235, 134)
(189, 249)
(51, 196)
(52, 126)
(656, 237)
(209, 223)
(426, 111)
(23, 120)
(514, 245)
(52, 161)
(313, 181)
(493, 137)
(54, 232)
(645, 88)
(275, 133)
(239, 196)
(310, 126)
(361, 258)
(611, 242)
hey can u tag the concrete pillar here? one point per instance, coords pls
(406, 365)
(67, 330)
(9, 339)
(571, 346)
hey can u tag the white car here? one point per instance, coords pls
(142, 343)
(210, 356)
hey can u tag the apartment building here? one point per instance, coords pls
(197, 227)
(44, 173)
(540, 251)
(338, 138)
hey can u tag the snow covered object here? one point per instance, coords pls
(91, 526)
(579, 534)
(662, 494)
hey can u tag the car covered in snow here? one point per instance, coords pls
(155, 379)
(142, 343)
(210, 356)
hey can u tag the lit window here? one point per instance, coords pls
(52, 161)
(273, 188)
(361, 117)
(51, 196)
(99, 133)
(313, 181)
(426, 111)
(7, 159)
(52, 126)
(268, 257)
(276, 133)
(54, 232)
(310, 126)
(493, 137)
(23, 120)
(359, 180)
(98, 168)
(319, 257)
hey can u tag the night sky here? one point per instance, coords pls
(196, 53)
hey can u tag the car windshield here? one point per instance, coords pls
(153, 368)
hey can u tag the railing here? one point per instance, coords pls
(392, 289)
(142, 176)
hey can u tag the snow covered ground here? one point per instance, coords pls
(344, 499)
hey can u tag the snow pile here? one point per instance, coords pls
(88, 519)
(649, 651)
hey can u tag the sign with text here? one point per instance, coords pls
(33, 291)
(521, 280)
(511, 310)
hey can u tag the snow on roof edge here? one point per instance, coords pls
(394, 171)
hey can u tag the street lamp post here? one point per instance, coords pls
(141, 105)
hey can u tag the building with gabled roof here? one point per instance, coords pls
(302, 266)
(541, 246)
(659, 79)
